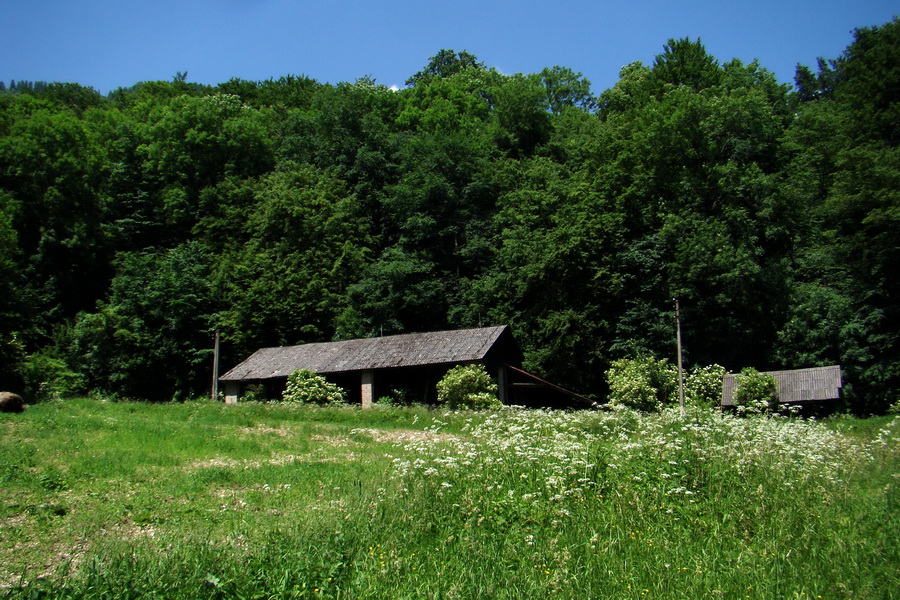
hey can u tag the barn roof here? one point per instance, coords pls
(406, 350)
(799, 385)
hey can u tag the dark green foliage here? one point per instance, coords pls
(11, 308)
(289, 92)
(814, 86)
(287, 268)
(290, 211)
(153, 337)
(847, 163)
(566, 89)
(444, 64)
(51, 167)
(686, 63)
(195, 142)
(48, 377)
(398, 292)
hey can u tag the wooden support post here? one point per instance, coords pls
(502, 384)
(368, 388)
(215, 376)
(678, 340)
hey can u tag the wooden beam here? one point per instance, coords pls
(502, 384)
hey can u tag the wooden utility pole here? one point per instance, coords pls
(680, 370)
(215, 377)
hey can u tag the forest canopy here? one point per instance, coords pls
(287, 211)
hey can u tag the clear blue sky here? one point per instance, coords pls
(107, 44)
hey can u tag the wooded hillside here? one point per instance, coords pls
(291, 211)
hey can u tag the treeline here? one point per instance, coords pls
(290, 211)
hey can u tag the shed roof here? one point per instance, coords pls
(798, 385)
(406, 350)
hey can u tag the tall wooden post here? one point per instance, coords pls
(215, 377)
(680, 370)
(502, 384)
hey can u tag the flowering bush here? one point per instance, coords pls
(755, 393)
(468, 386)
(644, 384)
(306, 387)
(647, 384)
(703, 387)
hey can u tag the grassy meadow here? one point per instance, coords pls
(200, 500)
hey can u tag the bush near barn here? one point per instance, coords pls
(306, 387)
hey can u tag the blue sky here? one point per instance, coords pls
(107, 44)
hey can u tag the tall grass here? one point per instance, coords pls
(104, 500)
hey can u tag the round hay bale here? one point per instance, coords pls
(11, 403)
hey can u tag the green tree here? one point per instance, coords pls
(152, 338)
(134, 217)
(686, 63)
(815, 86)
(551, 272)
(191, 143)
(52, 164)
(286, 277)
(398, 292)
(691, 152)
(520, 119)
(847, 166)
(565, 88)
(11, 310)
(444, 64)
(286, 93)
(431, 219)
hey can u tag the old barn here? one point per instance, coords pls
(370, 368)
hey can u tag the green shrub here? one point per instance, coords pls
(306, 387)
(468, 386)
(647, 384)
(50, 378)
(644, 383)
(755, 392)
(255, 392)
(703, 386)
(396, 396)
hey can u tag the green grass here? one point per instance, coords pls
(200, 500)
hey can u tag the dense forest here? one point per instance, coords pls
(289, 211)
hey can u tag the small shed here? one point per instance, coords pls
(414, 362)
(818, 384)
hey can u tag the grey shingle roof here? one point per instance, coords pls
(799, 385)
(406, 350)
